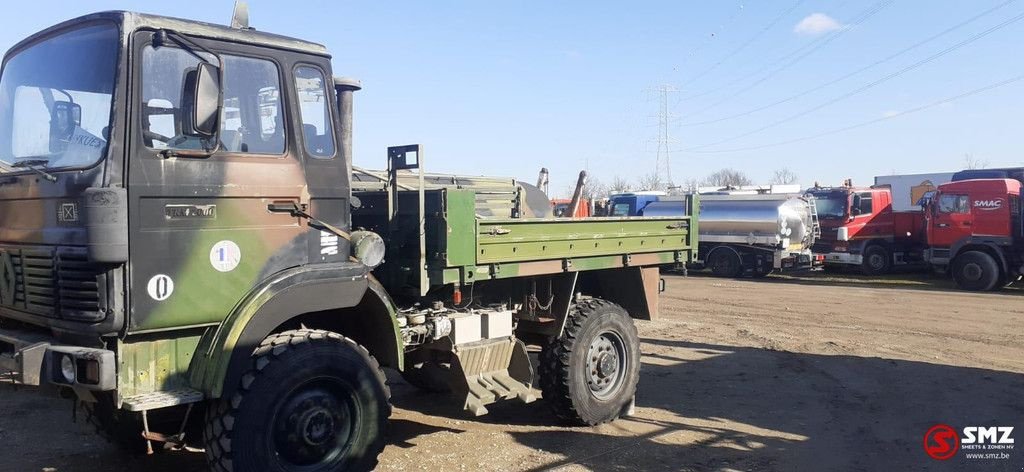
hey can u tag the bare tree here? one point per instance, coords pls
(651, 181)
(619, 185)
(784, 176)
(971, 162)
(594, 189)
(727, 178)
(689, 185)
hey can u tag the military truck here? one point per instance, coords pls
(187, 253)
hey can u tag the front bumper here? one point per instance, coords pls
(31, 359)
(843, 258)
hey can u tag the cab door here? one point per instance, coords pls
(951, 219)
(201, 235)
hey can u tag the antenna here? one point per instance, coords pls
(240, 16)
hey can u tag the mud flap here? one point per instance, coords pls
(492, 370)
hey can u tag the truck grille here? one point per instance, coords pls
(57, 283)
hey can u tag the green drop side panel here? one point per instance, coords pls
(522, 240)
(460, 225)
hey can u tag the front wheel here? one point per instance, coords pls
(877, 261)
(976, 271)
(311, 401)
(589, 375)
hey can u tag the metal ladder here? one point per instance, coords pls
(815, 225)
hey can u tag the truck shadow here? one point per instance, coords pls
(713, 407)
(905, 280)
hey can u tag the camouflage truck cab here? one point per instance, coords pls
(187, 251)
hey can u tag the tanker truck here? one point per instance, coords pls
(745, 233)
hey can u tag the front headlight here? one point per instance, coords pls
(368, 247)
(67, 368)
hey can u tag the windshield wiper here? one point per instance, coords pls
(37, 166)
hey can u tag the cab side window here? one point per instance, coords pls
(862, 204)
(317, 132)
(953, 204)
(251, 119)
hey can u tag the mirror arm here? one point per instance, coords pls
(191, 46)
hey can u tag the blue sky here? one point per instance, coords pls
(504, 88)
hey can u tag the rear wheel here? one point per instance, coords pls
(976, 271)
(876, 260)
(312, 401)
(589, 374)
(725, 263)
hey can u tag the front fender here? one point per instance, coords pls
(286, 295)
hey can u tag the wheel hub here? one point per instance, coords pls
(605, 359)
(607, 364)
(317, 426)
(972, 272)
(312, 426)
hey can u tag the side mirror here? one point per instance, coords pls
(65, 116)
(206, 109)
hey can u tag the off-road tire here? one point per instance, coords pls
(876, 260)
(976, 271)
(427, 376)
(332, 376)
(725, 263)
(564, 370)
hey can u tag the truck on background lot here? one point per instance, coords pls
(976, 232)
(874, 228)
(747, 233)
(632, 203)
(187, 252)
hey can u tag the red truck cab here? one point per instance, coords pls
(859, 228)
(975, 232)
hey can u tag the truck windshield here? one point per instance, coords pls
(55, 100)
(830, 205)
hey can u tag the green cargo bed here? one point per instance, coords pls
(457, 245)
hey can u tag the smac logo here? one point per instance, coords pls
(993, 204)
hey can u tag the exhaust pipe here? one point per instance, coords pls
(344, 87)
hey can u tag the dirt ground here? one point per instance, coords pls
(787, 373)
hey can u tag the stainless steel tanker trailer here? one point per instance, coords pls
(742, 234)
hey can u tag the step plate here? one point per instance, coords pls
(491, 371)
(155, 400)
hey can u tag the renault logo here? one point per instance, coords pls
(7, 278)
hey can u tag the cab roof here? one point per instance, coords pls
(132, 21)
(1002, 185)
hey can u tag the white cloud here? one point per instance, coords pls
(817, 23)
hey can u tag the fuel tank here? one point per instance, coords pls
(784, 221)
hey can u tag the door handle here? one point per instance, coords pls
(943, 225)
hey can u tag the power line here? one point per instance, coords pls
(868, 86)
(746, 43)
(934, 104)
(801, 54)
(858, 71)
